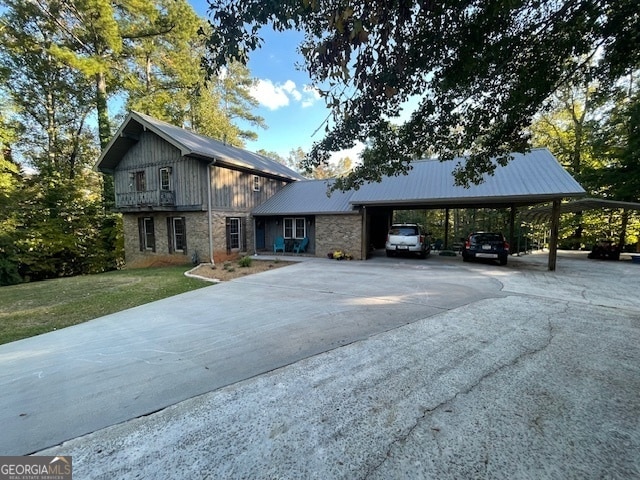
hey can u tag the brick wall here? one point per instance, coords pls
(197, 227)
(339, 232)
(332, 232)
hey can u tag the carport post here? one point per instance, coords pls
(446, 228)
(512, 230)
(553, 237)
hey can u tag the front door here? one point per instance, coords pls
(260, 234)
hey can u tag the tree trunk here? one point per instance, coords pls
(104, 132)
(104, 127)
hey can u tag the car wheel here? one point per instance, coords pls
(465, 258)
(389, 253)
(503, 261)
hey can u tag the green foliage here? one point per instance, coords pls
(62, 62)
(477, 71)
(245, 262)
(170, 84)
(33, 308)
(595, 135)
(64, 230)
(9, 261)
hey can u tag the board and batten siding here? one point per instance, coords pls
(234, 190)
(150, 154)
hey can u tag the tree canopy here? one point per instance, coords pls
(473, 73)
(62, 64)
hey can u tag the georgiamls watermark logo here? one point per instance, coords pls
(36, 468)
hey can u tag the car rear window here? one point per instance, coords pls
(486, 237)
(404, 231)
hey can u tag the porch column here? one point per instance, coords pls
(364, 236)
(553, 238)
(512, 229)
(446, 229)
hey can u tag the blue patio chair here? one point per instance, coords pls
(302, 246)
(279, 245)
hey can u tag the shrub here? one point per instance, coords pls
(245, 262)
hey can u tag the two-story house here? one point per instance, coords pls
(185, 196)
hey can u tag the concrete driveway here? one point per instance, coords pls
(388, 368)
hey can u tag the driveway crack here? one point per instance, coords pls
(426, 412)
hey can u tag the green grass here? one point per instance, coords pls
(33, 308)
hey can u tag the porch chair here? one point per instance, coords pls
(302, 246)
(278, 245)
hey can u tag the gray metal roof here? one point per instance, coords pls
(528, 178)
(307, 197)
(190, 144)
(544, 213)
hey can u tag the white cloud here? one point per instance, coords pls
(353, 153)
(311, 96)
(278, 95)
(290, 87)
(271, 96)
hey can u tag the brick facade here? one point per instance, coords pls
(339, 232)
(197, 230)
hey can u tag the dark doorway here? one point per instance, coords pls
(260, 234)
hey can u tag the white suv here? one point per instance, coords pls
(409, 238)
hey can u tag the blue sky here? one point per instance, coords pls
(291, 109)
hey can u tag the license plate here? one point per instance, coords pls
(402, 247)
(487, 255)
(486, 247)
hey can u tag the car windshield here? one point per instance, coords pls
(404, 231)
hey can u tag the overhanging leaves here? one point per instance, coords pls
(479, 69)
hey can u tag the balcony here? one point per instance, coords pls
(149, 198)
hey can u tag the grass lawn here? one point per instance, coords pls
(33, 308)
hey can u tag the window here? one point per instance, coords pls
(138, 181)
(165, 178)
(176, 228)
(295, 228)
(234, 232)
(147, 234)
(256, 183)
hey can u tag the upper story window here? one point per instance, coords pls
(165, 178)
(256, 183)
(137, 182)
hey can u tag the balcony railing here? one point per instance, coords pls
(150, 198)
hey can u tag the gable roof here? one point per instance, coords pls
(529, 178)
(190, 144)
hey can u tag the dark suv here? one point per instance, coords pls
(486, 245)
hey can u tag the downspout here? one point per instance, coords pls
(211, 259)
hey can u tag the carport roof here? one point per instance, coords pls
(544, 213)
(534, 177)
(529, 178)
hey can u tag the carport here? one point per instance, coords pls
(347, 220)
(528, 179)
(545, 213)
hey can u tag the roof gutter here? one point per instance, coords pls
(209, 165)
